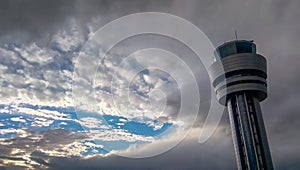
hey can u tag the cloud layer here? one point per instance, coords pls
(39, 45)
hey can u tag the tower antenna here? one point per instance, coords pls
(235, 33)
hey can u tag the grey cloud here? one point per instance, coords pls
(214, 154)
(44, 139)
(35, 20)
(33, 73)
(273, 26)
(53, 140)
(31, 18)
(271, 23)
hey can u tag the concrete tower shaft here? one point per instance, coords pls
(238, 76)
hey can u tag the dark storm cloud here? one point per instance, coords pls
(34, 20)
(29, 18)
(53, 139)
(187, 155)
(47, 139)
(273, 26)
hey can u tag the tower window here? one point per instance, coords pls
(243, 47)
(227, 50)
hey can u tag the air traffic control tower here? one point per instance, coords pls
(240, 85)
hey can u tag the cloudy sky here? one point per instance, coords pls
(63, 106)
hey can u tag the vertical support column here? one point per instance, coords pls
(236, 134)
(248, 132)
(261, 136)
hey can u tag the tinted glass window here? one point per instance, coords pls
(227, 50)
(243, 47)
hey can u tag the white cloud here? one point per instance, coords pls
(70, 38)
(25, 76)
(169, 141)
(12, 130)
(117, 135)
(41, 122)
(40, 75)
(73, 149)
(48, 114)
(18, 119)
(92, 123)
(122, 120)
(117, 89)
(34, 53)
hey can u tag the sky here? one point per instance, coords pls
(62, 106)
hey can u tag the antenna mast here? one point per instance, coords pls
(235, 33)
